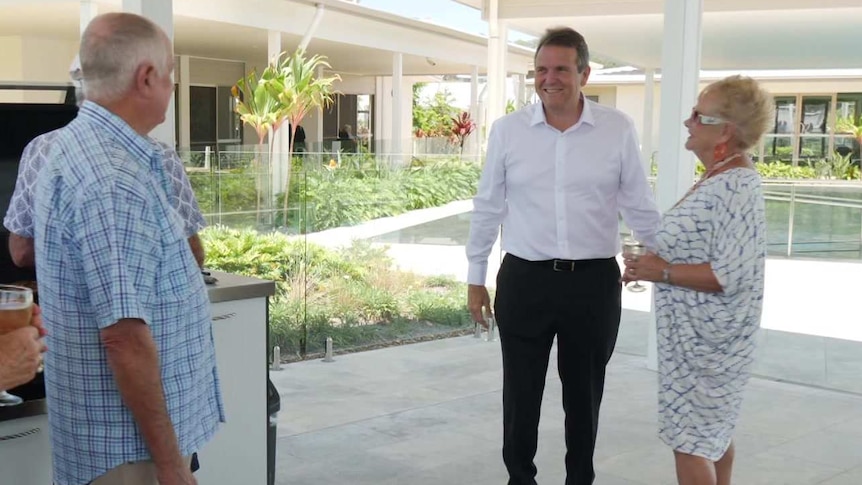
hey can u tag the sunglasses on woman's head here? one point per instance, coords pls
(705, 119)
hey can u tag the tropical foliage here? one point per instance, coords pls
(359, 190)
(462, 127)
(849, 125)
(260, 110)
(254, 103)
(286, 91)
(353, 295)
(299, 90)
(432, 118)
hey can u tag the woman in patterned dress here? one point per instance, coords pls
(708, 269)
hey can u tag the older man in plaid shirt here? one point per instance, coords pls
(131, 377)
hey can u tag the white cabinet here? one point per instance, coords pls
(25, 451)
(237, 454)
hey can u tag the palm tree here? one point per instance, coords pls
(299, 90)
(255, 104)
(258, 108)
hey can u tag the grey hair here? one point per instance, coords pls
(113, 46)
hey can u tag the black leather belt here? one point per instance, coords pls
(567, 265)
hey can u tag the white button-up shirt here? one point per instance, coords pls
(558, 194)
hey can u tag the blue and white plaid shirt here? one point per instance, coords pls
(19, 217)
(110, 246)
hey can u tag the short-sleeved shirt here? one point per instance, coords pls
(110, 246)
(19, 217)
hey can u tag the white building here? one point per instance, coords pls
(378, 56)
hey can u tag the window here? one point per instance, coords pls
(213, 120)
(807, 128)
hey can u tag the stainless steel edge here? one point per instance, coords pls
(231, 287)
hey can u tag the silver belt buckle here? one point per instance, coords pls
(562, 265)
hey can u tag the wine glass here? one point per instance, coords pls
(16, 311)
(634, 248)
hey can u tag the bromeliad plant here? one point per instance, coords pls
(462, 126)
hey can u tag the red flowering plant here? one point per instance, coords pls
(462, 126)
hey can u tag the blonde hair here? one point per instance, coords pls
(113, 46)
(749, 107)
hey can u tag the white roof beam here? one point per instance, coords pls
(346, 26)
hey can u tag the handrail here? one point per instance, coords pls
(814, 200)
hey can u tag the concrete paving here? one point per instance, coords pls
(430, 413)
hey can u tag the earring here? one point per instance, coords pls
(719, 152)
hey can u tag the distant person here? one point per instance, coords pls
(346, 133)
(299, 140)
(345, 136)
(709, 274)
(131, 377)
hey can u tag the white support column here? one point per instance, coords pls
(521, 98)
(380, 97)
(397, 83)
(649, 114)
(473, 142)
(273, 44)
(280, 142)
(482, 125)
(497, 34)
(89, 10)
(185, 107)
(474, 93)
(162, 13)
(681, 52)
(319, 139)
(679, 82)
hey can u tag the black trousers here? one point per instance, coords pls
(579, 304)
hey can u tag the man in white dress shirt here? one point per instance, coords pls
(557, 176)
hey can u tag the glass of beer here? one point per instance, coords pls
(16, 311)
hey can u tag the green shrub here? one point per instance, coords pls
(359, 190)
(782, 170)
(353, 295)
(444, 306)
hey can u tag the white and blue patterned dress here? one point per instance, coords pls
(706, 341)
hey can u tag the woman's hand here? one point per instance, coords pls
(648, 267)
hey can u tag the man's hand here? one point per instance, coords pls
(479, 304)
(197, 247)
(20, 356)
(178, 474)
